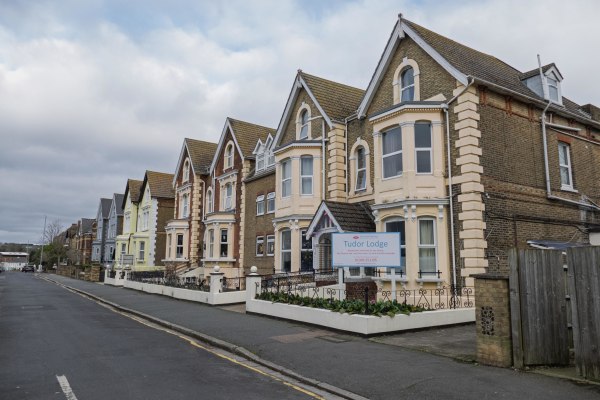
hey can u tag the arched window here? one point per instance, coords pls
(186, 171)
(229, 156)
(407, 85)
(185, 205)
(209, 201)
(361, 169)
(303, 125)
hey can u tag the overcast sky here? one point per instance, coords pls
(95, 92)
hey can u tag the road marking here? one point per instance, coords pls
(66, 388)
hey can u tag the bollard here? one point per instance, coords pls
(366, 300)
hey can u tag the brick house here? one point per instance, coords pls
(309, 150)
(259, 210)
(83, 241)
(155, 208)
(225, 198)
(185, 231)
(462, 154)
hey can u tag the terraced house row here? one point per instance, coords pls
(462, 154)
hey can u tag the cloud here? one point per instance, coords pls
(94, 93)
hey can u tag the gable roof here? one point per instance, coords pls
(86, 225)
(160, 184)
(104, 207)
(536, 71)
(335, 101)
(133, 188)
(244, 134)
(201, 154)
(461, 62)
(118, 199)
(347, 217)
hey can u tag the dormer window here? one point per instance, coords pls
(552, 89)
(260, 161)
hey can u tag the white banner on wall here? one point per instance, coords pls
(366, 249)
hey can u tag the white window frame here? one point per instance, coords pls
(567, 166)
(286, 251)
(177, 246)
(223, 243)
(260, 162)
(402, 247)
(185, 205)
(427, 246)
(270, 241)
(424, 149)
(229, 156)
(304, 124)
(304, 176)
(169, 237)
(186, 170)
(270, 200)
(142, 251)
(363, 169)
(227, 197)
(209, 201)
(392, 154)
(286, 181)
(404, 88)
(260, 205)
(211, 243)
(260, 240)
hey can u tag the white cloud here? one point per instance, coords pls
(94, 93)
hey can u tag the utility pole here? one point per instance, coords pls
(43, 241)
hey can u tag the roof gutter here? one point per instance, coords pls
(470, 81)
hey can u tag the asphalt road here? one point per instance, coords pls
(55, 344)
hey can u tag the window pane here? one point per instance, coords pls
(392, 165)
(553, 92)
(360, 158)
(422, 135)
(408, 94)
(408, 77)
(426, 236)
(423, 161)
(306, 166)
(562, 154)
(564, 176)
(361, 181)
(392, 141)
(286, 240)
(286, 189)
(306, 185)
(427, 260)
(286, 260)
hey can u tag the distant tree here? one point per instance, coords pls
(54, 244)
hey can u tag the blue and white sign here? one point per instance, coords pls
(366, 249)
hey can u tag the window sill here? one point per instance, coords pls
(392, 177)
(568, 189)
(388, 278)
(429, 280)
(218, 259)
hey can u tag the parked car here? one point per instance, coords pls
(28, 268)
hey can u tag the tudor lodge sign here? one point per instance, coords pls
(360, 249)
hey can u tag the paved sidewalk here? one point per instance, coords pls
(365, 367)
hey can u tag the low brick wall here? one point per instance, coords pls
(492, 312)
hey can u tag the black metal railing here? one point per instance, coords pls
(447, 297)
(160, 278)
(234, 284)
(316, 278)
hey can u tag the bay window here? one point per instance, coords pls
(286, 250)
(306, 175)
(286, 178)
(423, 147)
(392, 152)
(427, 247)
(398, 225)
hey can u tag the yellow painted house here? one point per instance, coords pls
(124, 254)
(155, 208)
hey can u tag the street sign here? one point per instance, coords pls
(366, 249)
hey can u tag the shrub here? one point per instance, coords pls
(379, 308)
